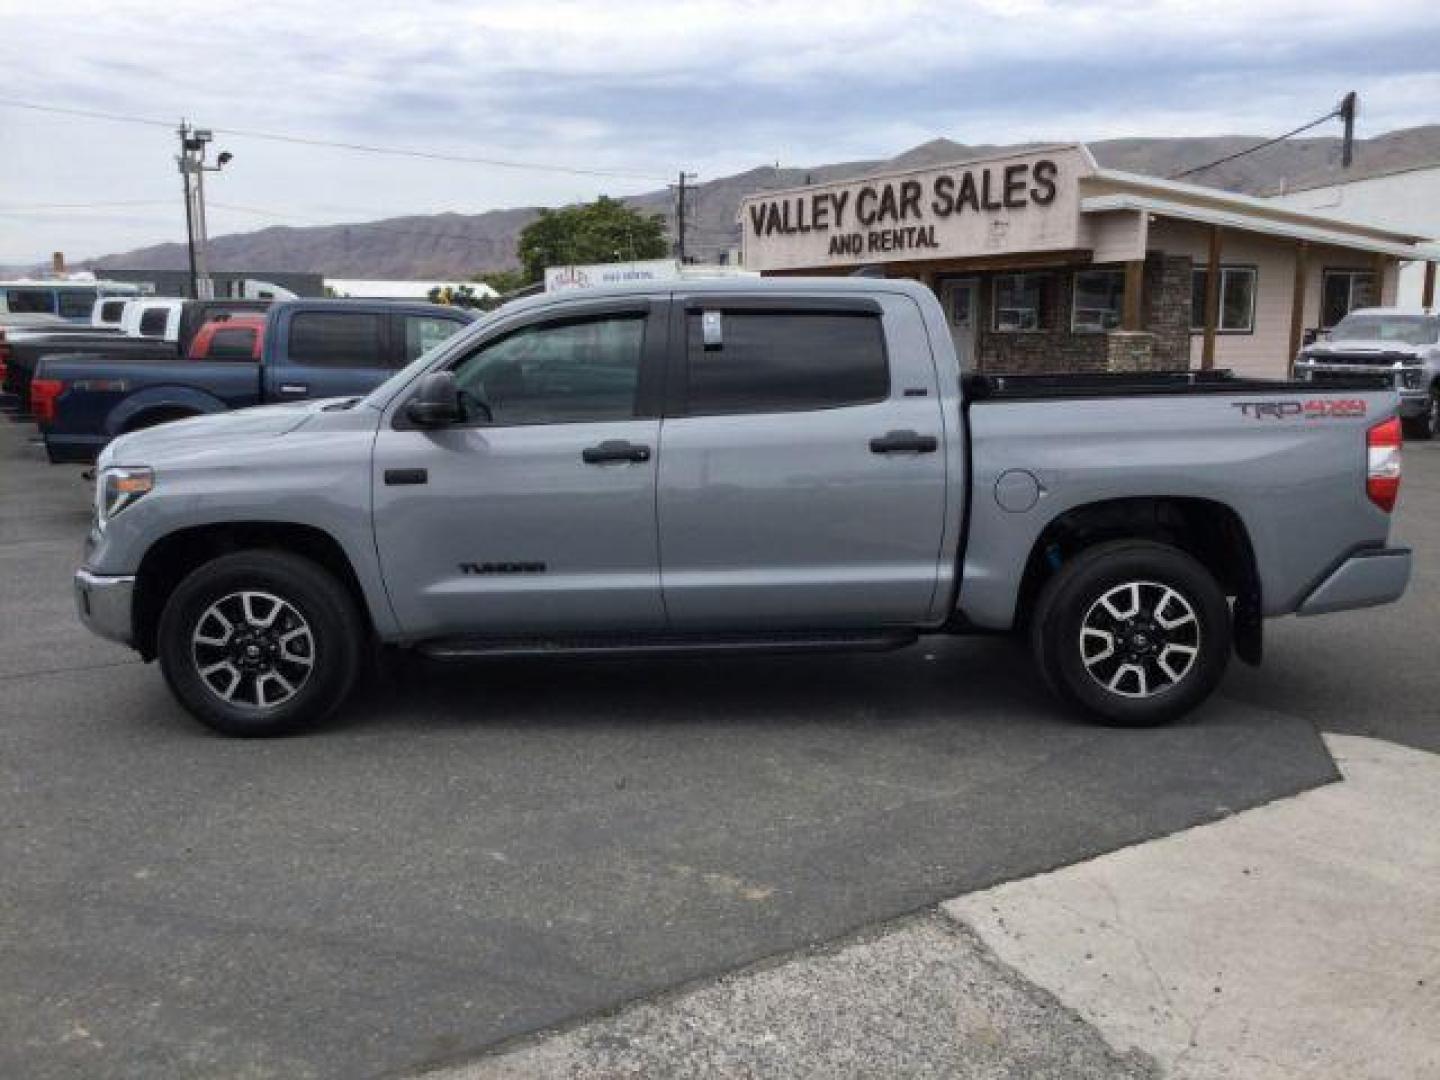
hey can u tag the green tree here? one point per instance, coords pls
(461, 296)
(600, 232)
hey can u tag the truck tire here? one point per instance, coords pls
(1426, 426)
(260, 643)
(1133, 633)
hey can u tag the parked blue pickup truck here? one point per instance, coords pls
(313, 349)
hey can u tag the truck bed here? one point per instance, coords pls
(1128, 384)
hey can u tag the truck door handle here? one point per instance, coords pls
(294, 388)
(904, 442)
(614, 450)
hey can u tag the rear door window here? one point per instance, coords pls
(153, 321)
(76, 303)
(758, 361)
(337, 339)
(34, 301)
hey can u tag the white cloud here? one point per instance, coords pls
(635, 84)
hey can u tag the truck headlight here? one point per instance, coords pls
(117, 488)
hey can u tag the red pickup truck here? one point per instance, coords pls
(236, 336)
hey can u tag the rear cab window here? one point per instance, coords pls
(232, 343)
(764, 360)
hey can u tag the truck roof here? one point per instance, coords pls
(854, 285)
(357, 304)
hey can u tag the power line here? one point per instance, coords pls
(367, 148)
(37, 208)
(1339, 110)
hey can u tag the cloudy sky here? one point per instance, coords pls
(635, 87)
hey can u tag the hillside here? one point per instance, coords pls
(459, 245)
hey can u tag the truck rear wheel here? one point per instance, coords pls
(1133, 633)
(260, 643)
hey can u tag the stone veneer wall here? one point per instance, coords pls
(1165, 319)
(1038, 352)
(1167, 309)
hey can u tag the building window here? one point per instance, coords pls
(1342, 291)
(1237, 299)
(1099, 295)
(1022, 303)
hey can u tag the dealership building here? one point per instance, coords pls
(1043, 261)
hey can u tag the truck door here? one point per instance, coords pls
(802, 472)
(537, 514)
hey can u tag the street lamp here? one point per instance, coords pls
(193, 142)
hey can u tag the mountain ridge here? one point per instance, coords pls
(452, 244)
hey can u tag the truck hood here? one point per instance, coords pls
(217, 431)
(1360, 348)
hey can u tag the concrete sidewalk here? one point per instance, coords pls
(1298, 939)
(1301, 938)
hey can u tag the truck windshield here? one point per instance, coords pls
(1406, 329)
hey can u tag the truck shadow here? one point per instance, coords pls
(985, 680)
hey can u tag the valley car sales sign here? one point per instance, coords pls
(1022, 202)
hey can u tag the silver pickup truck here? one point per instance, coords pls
(1400, 348)
(739, 466)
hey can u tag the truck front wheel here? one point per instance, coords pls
(260, 643)
(1134, 633)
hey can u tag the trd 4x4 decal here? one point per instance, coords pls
(1314, 409)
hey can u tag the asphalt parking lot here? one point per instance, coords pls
(473, 853)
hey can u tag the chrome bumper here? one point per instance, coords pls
(1363, 580)
(104, 603)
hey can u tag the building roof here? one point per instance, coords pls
(1209, 215)
(1360, 175)
(1178, 193)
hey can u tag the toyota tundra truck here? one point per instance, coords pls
(731, 466)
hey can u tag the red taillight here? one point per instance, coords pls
(43, 393)
(4, 355)
(1382, 472)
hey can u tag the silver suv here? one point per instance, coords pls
(1403, 346)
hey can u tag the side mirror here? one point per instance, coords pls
(437, 401)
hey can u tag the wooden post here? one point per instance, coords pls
(1130, 318)
(1212, 299)
(1297, 305)
(1427, 292)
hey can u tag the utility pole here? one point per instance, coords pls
(180, 159)
(193, 142)
(1348, 104)
(680, 216)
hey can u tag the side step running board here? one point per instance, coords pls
(475, 647)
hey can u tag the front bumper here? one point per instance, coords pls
(105, 603)
(1363, 580)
